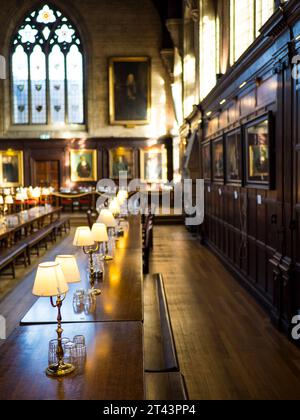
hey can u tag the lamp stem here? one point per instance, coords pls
(60, 351)
(60, 368)
(92, 275)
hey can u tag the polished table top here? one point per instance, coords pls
(113, 369)
(33, 216)
(121, 298)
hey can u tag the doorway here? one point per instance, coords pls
(46, 174)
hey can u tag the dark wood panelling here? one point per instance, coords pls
(35, 149)
(259, 239)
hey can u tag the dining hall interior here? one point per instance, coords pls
(149, 200)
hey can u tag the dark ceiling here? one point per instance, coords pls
(168, 9)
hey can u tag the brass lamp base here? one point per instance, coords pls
(96, 292)
(57, 371)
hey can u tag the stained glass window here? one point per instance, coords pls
(47, 70)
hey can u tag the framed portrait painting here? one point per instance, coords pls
(121, 160)
(154, 165)
(129, 90)
(233, 157)
(218, 160)
(83, 165)
(258, 149)
(206, 161)
(11, 169)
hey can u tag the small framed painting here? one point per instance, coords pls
(218, 160)
(129, 90)
(121, 160)
(11, 169)
(83, 165)
(233, 144)
(258, 141)
(154, 165)
(206, 161)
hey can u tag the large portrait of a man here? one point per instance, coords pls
(11, 168)
(83, 165)
(154, 165)
(130, 91)
(121, 160)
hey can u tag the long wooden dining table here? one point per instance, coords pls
(114, 367)
(27, 219)
(121, 297)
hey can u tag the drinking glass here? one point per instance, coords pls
(79, 339)
(69, 352)
(80, 351)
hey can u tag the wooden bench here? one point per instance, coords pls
(160, 351)
(169, 386)
(62, 225)
(9, 256)
(40, 238)
(147, 228)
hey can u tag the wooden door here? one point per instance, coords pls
(46, 174)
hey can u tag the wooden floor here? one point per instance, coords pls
(226, 346)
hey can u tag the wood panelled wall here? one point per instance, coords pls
(255, 230)
(58, 150)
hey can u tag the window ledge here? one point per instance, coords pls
(47, 130)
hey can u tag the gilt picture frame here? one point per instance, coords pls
(218, 160)
(259, 157)
(129, 90)
(83, 165)
(11, 169)
(121, 159)
(154, 165)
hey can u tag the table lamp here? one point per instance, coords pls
(9, 199)
(84, 239)
(106, 217)
(69, 267)
(99, 232)
(122, 196)
(114, 207)
(51, 282)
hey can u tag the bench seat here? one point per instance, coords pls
(160, 351)
(8, 257)
(165, 387)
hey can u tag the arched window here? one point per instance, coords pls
(47, 70)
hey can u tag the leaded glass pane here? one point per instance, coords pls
(46, 15)
(57, 85)
(38, 86)
(47, 40)
(20, 86)
(75, 86)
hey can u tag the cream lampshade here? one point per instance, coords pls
(122, 196)
(107, 218)
(19, 197)
(83, 237)
(50, 280)
(99, 232)
(9, 199)
(69, 267)
(114, 207)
